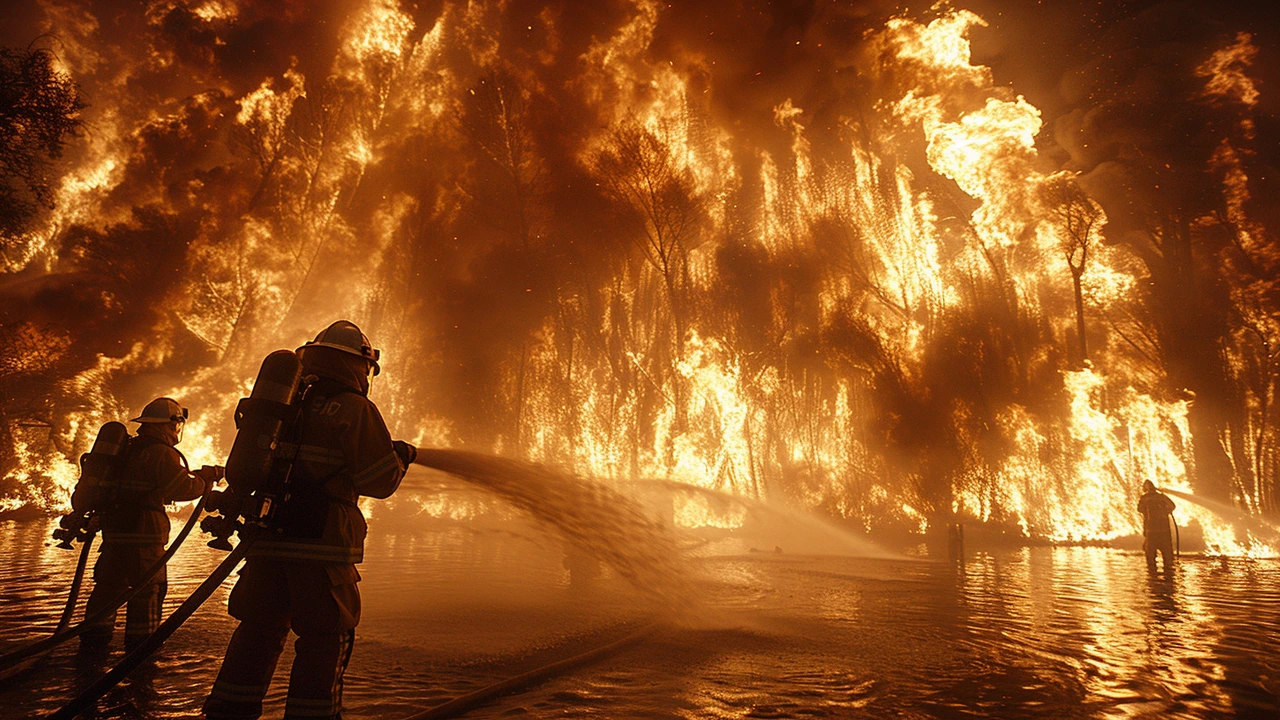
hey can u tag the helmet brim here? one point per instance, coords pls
(172, 418)
(343, 348)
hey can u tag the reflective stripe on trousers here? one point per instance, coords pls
(309, 551)
(118, 569)
(315, 682)
(126, 538)
(319, 602)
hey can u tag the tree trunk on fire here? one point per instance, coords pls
(1079, 297)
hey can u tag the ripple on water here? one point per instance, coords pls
(1027, 634)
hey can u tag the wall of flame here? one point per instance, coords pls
(828, 265)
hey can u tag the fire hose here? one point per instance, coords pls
(465, 703)
(152, 642)
(76, 581)
(13, 662)
(450, 709)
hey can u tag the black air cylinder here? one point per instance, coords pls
(261, 419)
(95, 464)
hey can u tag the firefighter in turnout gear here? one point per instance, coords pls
(1157, 517)
(304, 577)
(135, 526)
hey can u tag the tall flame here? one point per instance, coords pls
(875, 297)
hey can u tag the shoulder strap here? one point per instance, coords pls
(327, 387)
(138, 443)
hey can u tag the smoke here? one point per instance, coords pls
(795, 251)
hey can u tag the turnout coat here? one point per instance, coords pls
(153, 475)
(342, 450)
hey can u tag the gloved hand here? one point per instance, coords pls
(210, 473)
(226, 502)
(406, 452)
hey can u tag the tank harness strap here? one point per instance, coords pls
(152, 497)
(306, 510)
(262, 406)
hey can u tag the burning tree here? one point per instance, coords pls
(1155, 151)
(1077, 219)
(39, 110)
(611, 240)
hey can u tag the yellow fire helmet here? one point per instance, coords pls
(345, 336)
(162, 410)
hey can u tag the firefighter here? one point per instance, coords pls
(305, 578)
(1157, 518)
(135, 526)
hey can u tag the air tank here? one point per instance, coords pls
(261, 420)
(107, 448)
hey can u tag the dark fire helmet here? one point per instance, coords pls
(345, 336)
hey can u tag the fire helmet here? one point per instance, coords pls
(343, 335)
(162, 410)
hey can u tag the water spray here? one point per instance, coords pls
(833, 538)
(605, 523)
(1242, 522)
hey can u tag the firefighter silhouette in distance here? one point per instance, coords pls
(1157, 520)
(129, 506)
(302, 574)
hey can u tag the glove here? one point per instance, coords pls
(406, 452)
(211, 474)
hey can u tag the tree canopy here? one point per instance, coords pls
(39, 109)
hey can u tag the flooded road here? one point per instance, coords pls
(448, 609)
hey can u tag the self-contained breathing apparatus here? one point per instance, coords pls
(99, 477)
(259, 467)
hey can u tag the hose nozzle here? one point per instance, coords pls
(70, 528)
(221, 529)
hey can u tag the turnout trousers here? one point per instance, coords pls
(119, 568)
(1162, 543)
(320, 602)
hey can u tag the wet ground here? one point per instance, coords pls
(1043, 632)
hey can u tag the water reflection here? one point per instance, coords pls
(1059, 632)
(1065, 632)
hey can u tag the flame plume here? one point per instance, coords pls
(813, 256)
